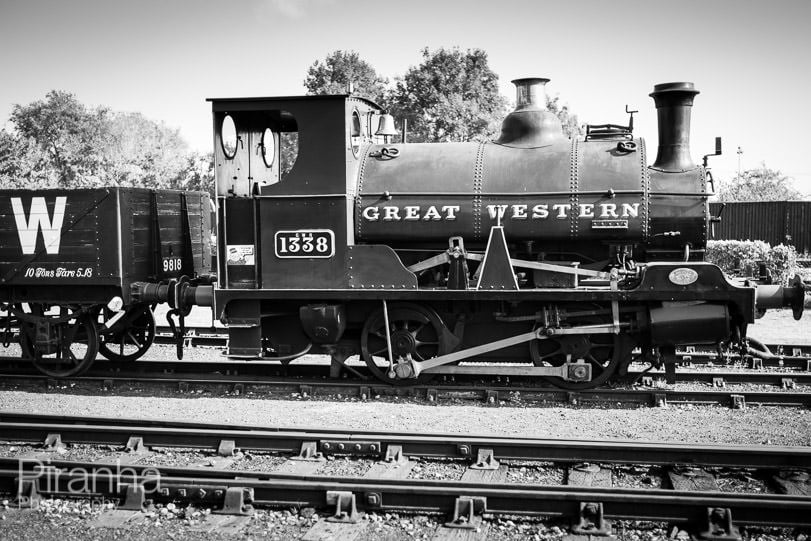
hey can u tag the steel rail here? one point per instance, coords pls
(417, 495)
(486, 392)
(17, 427)
(258, 372)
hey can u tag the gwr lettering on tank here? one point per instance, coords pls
(560, 211)
(38, 219)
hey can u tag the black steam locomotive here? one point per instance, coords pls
(529, 255)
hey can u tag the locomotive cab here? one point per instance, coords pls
(287, 223)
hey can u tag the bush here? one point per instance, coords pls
(742, 258)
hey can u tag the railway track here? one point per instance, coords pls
(733, 383)
(687, 494)
(252, 371)
(283, 382)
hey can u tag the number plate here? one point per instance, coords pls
(305, 243)
(172, 264)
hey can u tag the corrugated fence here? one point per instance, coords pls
(786, 222)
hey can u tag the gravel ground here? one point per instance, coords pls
(637, 476)
(258, 462)
(779, 326)
(687, 423)
(344, 467)
(178, 457)
(445, 470)
(534, 473)
(64, 520)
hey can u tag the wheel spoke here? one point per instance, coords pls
(596, 366)
(135, 341)
(416, 331)
(557, 351)
(68, 355)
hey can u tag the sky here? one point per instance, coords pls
(163, 58)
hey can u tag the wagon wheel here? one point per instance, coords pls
(604, 352)
(414, 331)
(70, 349)
(129, 337)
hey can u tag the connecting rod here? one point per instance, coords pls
(541, 333)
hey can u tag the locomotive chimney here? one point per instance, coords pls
(530, 124)
(673, 104)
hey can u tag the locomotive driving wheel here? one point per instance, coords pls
(131, 336)
(604, 352)
(415, 334)
(60, 345)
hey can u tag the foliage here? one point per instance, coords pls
(569, 121)
(742, 258)
(289, 153)
(143, 153)
(59, 142)
(333, 75)
(451, 96)
(22, 162)
(761, 184)
(198, 173)
(69, 136)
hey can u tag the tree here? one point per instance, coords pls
(70, 136)
(761, 184)
(59, 142)
(451, 96)
(333, 75)
(199, 173)
(144, 153)
(569, 121)
(22, 162)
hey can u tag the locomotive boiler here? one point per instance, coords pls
(591, 200)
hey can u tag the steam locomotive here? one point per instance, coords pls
(531, 255)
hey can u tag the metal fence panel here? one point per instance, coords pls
(775, 222)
